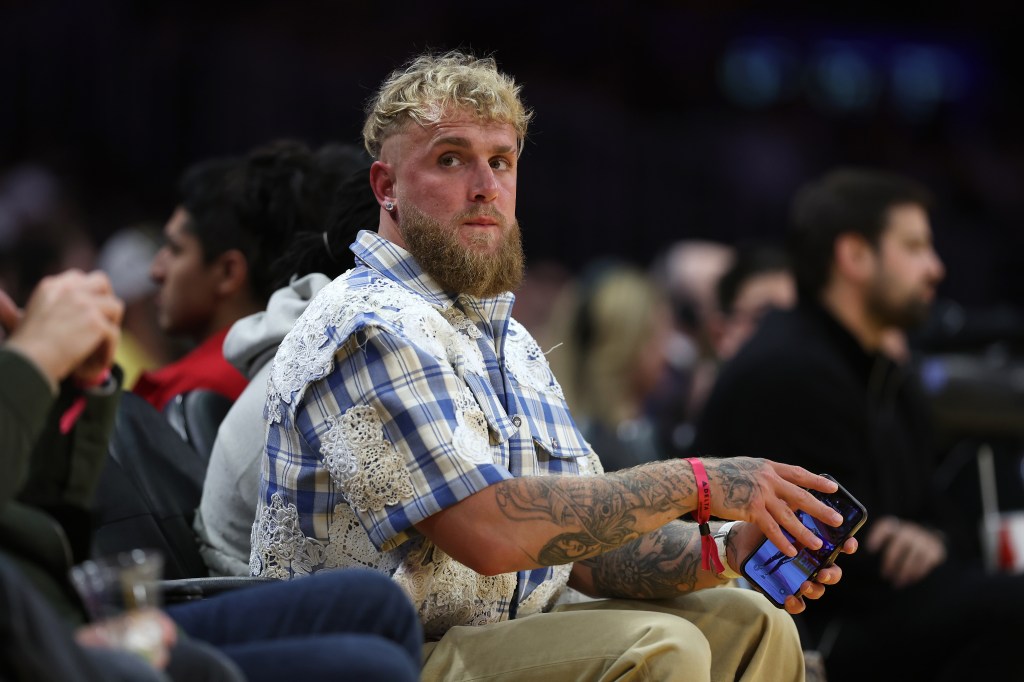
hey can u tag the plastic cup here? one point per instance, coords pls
(121, 593)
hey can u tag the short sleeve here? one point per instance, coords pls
(400, 434)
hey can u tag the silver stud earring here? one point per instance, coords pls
(389, 206)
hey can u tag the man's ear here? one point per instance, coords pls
(233, 272)
(855, 258)
(382, 181)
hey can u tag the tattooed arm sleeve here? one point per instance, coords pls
(536, 521)
(662, 564)
(588, 516)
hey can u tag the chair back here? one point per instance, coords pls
(196, 415)
(149, 490)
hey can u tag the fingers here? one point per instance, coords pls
(71, 325)
(794, 604)
(784, 510)
(909, 552)
(790, 529)
(773, 496)
(881, 532)
(828, 576)
(804, 478)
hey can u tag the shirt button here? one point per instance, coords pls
(517, 420)
(554, 443)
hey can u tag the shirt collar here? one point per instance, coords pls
(398, 265)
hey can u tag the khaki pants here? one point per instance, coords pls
(718, 634)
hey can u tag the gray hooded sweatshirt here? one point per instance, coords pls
(228, 505)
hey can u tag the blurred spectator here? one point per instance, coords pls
(41, 232)
(125, 257)
(228, 506)
(57, 362)
(815, 386)
(543, 283)
(235, 217)
(758, 280)
(689, 272)
(615, 326)
(59, 355)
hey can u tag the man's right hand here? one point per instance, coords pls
(71, 325)
(909, 551)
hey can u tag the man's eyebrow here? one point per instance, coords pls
(464, 143)
(454, 141)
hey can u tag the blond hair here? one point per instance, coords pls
(618, 309)
(431, 86)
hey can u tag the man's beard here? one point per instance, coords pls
(455, 267)
(908, 314)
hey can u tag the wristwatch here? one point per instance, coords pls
(721, 536)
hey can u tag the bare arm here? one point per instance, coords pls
(666, 563)
(663, 563)
(545, 521)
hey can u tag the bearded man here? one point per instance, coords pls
(415, 428)
(816, 387)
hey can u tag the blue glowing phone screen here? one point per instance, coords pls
(779, 575)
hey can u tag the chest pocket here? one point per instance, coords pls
(499, 424)
(551, 425)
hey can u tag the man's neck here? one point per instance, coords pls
(227, 315)
(848, 307)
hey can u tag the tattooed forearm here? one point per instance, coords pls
(659, 565)
(593, 515)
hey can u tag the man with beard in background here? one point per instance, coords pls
(815, 387)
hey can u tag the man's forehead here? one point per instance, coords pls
(459, 129)
(907, 221)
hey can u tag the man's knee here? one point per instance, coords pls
(752, 607)
(665, 644)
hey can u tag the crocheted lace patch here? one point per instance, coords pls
(366, 467)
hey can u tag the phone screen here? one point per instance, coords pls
(778, 575)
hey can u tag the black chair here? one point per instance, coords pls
(196, 415)
(149, 490)
(147, 495)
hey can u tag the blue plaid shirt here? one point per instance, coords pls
(389, 401)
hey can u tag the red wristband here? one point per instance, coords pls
(708, 549)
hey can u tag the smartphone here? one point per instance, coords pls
(777, 575)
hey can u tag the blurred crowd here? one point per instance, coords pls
(657, 359)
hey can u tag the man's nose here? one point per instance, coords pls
(485, 185)
(157, 271)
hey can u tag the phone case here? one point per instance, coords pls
(777, 576)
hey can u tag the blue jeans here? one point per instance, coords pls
(344, 624)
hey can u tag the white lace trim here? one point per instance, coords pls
(366, 467)
(281, 550)
(590, 465)
(445, 592)
(458, 320)
(448, 593)
(307, 353)
(525, 360)
(471, 438)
